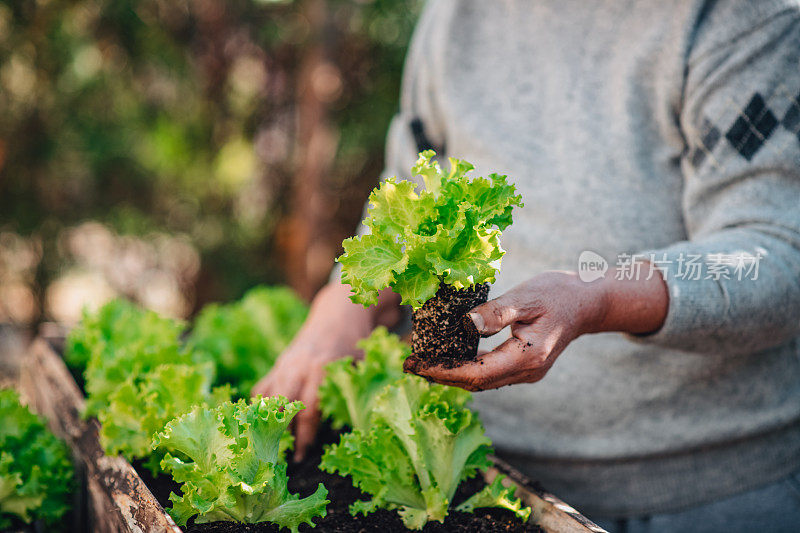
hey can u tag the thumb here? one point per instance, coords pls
(494, 315)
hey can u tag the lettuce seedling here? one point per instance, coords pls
(422, 442)
(230, 461)
(139, 376)
(119, 341)
(244, 338)
(449, 233)
(36, 475)
(117, 323)
(349, 390)
(496, 494)
(143, 403)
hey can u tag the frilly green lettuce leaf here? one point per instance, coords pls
(496, 494)
(104, 376)
(349, 390)
(36, 475)
(447, 233)
(123, 340)
(370, 263)
(140, 375)
(231, 466)
(461, 257)
(16, 498)
(244, 338)
(416, 286)
(198, 435)
(142, 404)
(379, 466)
(118, 323)
(444, 439)
(429, 170)
(395, 206)
(419, 445)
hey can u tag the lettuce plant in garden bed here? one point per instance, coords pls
(230, 462)
(438, 248)
(36, 475)
(244, 338)
(421, 443)
(144, 403)
(412, 443)
(139, 373)
(347, 394)
(118, 323)
(227, 459)
(138, 376)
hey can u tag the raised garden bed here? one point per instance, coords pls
(116, 497)
(119, 499)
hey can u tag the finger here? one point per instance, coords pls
(261, 388)
(415, 365)
(486, 372)
(494, 315)
(277, 383)
(462, 376)
(485, 368)
(305, 431)
(412, 364)
(307, 420)
(267, 385)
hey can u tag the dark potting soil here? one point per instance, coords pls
(442, 333)
(161, 485)
(303, 480)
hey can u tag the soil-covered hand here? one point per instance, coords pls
(333, 327)
(545, 314)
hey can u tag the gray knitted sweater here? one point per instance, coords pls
(663, 126)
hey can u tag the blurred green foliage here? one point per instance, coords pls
(244, 338)
(181, 116)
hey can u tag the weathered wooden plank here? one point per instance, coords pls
(118, 499)
(549, 512)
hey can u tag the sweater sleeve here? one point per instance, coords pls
(734, 285)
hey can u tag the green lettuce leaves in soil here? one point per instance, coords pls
(496, 494)
(421, 443)
(244, 338)
(139, 375)
(230, 462)
(448, 232)
(36, 475)
(142, 404)
(347, 394)
(121, 340)
(117, 323)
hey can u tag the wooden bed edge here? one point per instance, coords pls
(119, 501)
(549, 512)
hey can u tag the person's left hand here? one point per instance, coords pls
(546, 313)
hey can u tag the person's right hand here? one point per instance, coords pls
(333, 327)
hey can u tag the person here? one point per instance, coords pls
(664, 138)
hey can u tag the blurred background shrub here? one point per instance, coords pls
(180, 151)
